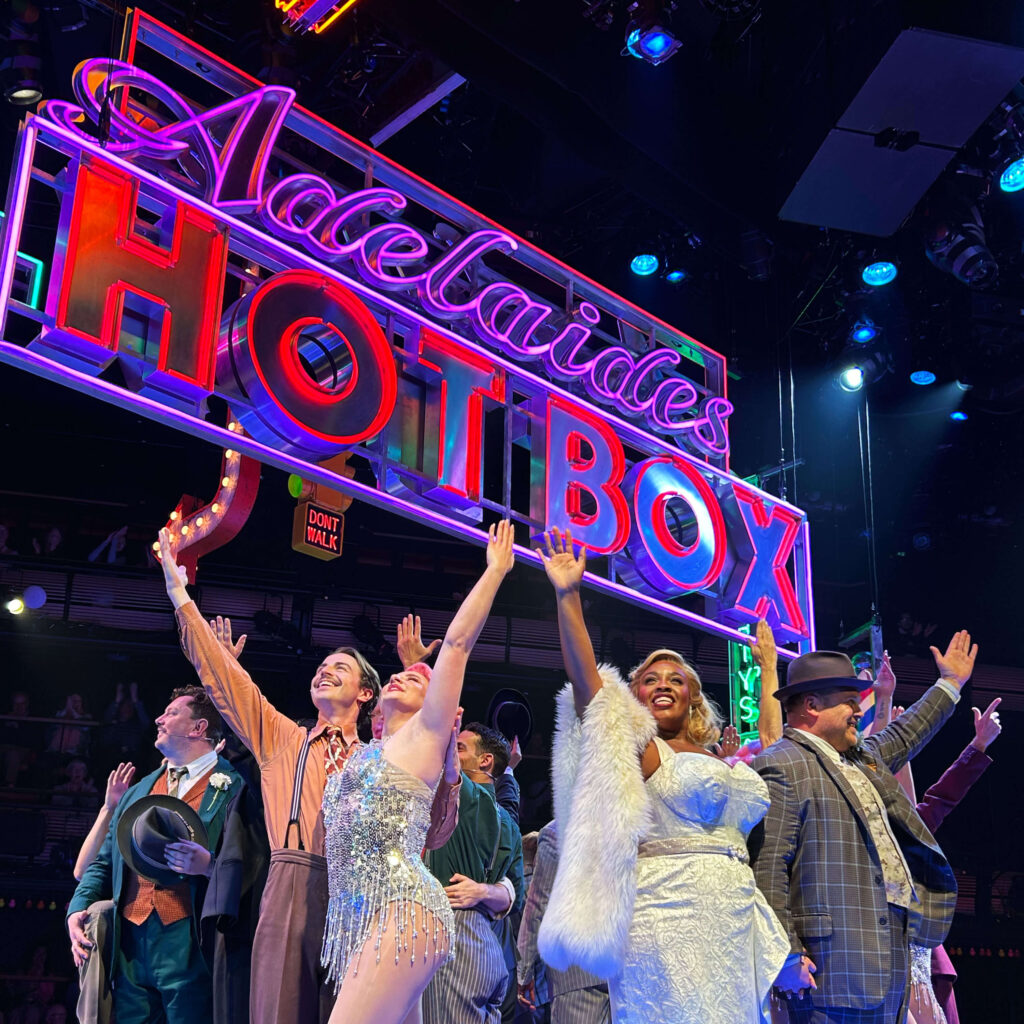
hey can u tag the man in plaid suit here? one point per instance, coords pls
(842, 855)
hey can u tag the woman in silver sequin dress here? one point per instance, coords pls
(389, 924)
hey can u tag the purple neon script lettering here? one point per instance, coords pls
(629, 394)
(601, 368)
(236, 171)
(381, 247)
(568, 342)
(293, 202)
(325, 228)
(523, 314)
(709, 431)
(443, 273)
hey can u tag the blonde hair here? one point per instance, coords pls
(704, 723)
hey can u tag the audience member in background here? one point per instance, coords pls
(79, 782)
(114, 546)
(5, 536)
(158, 970)
(295, 764)
(70, 739)
(576, 997)
(126, 723)
(51, 545)
(19, 741)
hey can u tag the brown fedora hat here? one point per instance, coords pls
(818, 671)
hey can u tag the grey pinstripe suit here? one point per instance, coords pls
(814, 859)
(577, 997)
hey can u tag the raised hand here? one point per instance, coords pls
(500, 554)
(117, 783)
(885, 684)
(762, 646)
(410, 642)
(564, 568)
(515, 754)
(986, 725)
(175, 576)
(729, 743)
(957, 664)
(222, 631)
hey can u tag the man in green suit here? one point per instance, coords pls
(157, 968)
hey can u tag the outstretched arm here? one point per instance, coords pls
(442, 698)
(769, 719)
(565, 570)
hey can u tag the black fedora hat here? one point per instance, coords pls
(817, 672)
(145, 829)
(510, 714)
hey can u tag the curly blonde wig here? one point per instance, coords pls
(704, 723)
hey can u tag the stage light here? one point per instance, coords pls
(957, 246)
(21, 67)
(923, 377)
(963, 385)
(863, 332)
(851, 378)
(958, 416)
(644, 264)
(922, 541)
(676, 276)
(34, 597)
(15, 606)
(654, 43)
(1012, 178)
(878, 273)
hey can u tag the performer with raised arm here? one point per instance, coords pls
(843, 857)
(653, 891)
(390, 923)
(295, 764)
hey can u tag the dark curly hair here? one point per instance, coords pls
(202, 707)
(490, 741)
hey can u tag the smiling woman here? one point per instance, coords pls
(658, 896)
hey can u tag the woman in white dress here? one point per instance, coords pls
(654, 891)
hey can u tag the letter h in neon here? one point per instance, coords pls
(123, 294)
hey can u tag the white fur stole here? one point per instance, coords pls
(602, 811)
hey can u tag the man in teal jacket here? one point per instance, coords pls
(157, 968)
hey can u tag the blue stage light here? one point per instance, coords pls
(644, 264)
(851, 379)
(676, 276)
(863, 332)
(654, 44)
(923, 377)
(959, 415)
(879, 273)
(1012, 179)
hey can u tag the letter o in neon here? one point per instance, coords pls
(285, 407)
(658, 558)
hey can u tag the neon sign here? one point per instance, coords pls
(744, 690)
(196, 253)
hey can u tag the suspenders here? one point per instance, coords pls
(300, 771)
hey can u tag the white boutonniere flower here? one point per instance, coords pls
(221, 783)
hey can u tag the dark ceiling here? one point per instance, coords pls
(592, 154)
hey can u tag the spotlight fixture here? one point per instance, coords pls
(878, 273)
(22, 66)
(677, 276)
(956, 245)
(851, 378)
(1012, 178)
(650, 41)
(958, 415)
(15, 606)
(644, 264)
(922, 377)
(864, 331)
(963, 385)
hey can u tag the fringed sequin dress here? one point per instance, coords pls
(376, 817)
